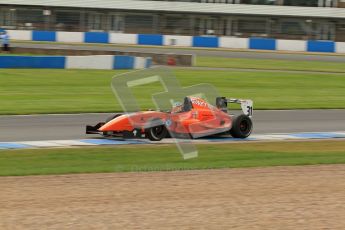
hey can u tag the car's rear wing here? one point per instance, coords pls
(246, 104)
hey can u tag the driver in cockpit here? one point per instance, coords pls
(179, 107)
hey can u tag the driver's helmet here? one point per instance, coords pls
(177, 107)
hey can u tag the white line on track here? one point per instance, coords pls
(100, 142)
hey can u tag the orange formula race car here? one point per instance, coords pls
(193, 118)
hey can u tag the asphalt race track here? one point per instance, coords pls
(65, 127)
(198, 52)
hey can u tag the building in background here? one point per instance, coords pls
(283, 19)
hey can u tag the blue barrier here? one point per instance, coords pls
(124, 62)
(150, 39)
(75, 62)
(321, 46)
(49, 36)
(96, 37)
(56, 62)
(206, 42)
(262, 43)
(197, 41)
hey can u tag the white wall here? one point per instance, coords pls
(123, 38)
(90, 62)
(20, 34)
(340, 47)
(70, 37)
(176, 40)
(234, 43)
(291, 45)
(140, 62)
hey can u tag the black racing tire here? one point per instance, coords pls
(156, 132)
(242, 126)
(113, 116)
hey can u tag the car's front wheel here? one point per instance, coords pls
(156, 131)
(242, 126)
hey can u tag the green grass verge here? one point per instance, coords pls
(205, 61)
(164, 158)
(25, 91)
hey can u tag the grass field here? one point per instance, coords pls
(34, 91)
(24, 91)
(162, 158)
(223, 62)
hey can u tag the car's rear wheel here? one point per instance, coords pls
(242, 126)
(156, 131)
